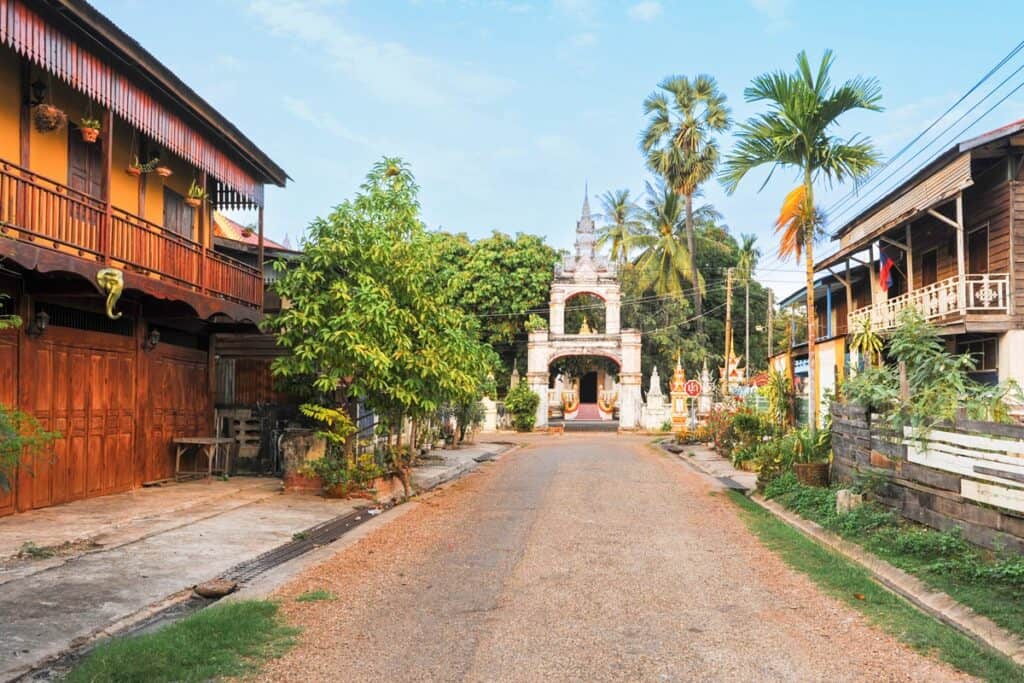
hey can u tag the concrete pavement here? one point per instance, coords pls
(591, 557)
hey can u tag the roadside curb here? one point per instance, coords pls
(935, 603)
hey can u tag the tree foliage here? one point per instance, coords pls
(369, 313)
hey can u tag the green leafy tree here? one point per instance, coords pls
(522, 403)
(665, 263)
(797, 132)
(622, 222)
(684, 117)
(369, 316)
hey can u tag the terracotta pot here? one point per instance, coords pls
(812, 473)
(133, 171)
(194, 202)
(90, 134)
(163, 171)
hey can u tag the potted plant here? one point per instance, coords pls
(90, 129)
(163, 171)
(48, 118)
(196, 195)
(136, 169)
(811, 452)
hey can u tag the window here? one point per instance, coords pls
(977, 251)
(929, 268)
(177, 214)
(986, 359)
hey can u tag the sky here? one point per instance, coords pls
(506, 109)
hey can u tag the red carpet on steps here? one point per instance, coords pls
(588, 411)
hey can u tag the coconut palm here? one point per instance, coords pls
(797, 132)
(745, 265)
(664, 263)
(623, 222)
(679, 141)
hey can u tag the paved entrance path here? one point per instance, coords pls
(584, 557)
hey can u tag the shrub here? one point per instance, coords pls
(22, 438)
(522, 403)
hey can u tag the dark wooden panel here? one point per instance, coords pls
(8, 394)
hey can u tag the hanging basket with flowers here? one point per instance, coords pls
(48, 118)
(136, 169)
(90, 129)
(196, 195)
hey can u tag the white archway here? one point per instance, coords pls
(586, 273)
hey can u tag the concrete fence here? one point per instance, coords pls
(968, 475)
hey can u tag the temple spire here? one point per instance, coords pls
(586, 201)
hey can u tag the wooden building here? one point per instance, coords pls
(954, 232)
(114, 270)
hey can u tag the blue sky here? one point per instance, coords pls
(505, 108)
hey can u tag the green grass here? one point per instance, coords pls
(990, 583)
(224, 640)
(315, 596)
(852, 584)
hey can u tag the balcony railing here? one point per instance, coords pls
(979, 293)
(42, 212)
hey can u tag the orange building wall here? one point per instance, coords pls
(10, 106)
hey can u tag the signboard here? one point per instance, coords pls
(801, 366)
(692, 388)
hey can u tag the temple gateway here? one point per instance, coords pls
(589, 372)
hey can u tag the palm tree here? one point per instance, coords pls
(796, 132)
(683, 118)
(745, 265)
(664, 263)
(622, 224)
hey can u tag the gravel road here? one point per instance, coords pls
(585, 558)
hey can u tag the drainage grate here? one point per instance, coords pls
(316, 536)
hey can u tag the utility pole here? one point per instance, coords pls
(771, 322)
(746, 332)
(728, 331)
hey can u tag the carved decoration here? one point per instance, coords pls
(111, 281)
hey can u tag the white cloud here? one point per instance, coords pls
(648, 10)
(586, 39)
(388, 69)
(306, 112)
(775, 12)
(581, 10)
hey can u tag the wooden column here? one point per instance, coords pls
(910, 258)
(205, 233)
(142, 179)
(849, 295)
(260, 258)
(961, 264)
(25, 120)
(108, 168)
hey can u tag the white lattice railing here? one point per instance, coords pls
(981, 293)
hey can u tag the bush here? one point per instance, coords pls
(522, 403)
(22, 438)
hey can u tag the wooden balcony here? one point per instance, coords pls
(980, 293)
(47, 214)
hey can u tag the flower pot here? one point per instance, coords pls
(812, 473)
(194, 202)
(163, 171)
(89, 134)
(48, 118)
(133, 171)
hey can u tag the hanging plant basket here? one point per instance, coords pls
(135, 171)
(163, 171)
(48, 118)
(194, 202)
(90, 134)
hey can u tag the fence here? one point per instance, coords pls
(968, 475)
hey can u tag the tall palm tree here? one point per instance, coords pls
(664, 262)
(679, 141)
(796, 132)
(623, 222)
(745, 265)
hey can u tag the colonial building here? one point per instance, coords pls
(949, 242)
(110, 170)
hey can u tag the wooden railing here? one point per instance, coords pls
(40, 211)
(978, 293)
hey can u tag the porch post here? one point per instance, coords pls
(108, 167)
(849, 295)
(910, 259)
(260, 257)
(828, 311)
(961, 266)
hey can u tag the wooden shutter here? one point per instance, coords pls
(85, 165)
(177, 214)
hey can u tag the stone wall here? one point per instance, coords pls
(864, 449)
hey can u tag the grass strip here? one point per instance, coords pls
(315, 596)
(225, 640)
(854, 585)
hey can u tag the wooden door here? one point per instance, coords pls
(977, 251)
(8, 395)
(178, 403)
(83, 386)
(85, 165)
